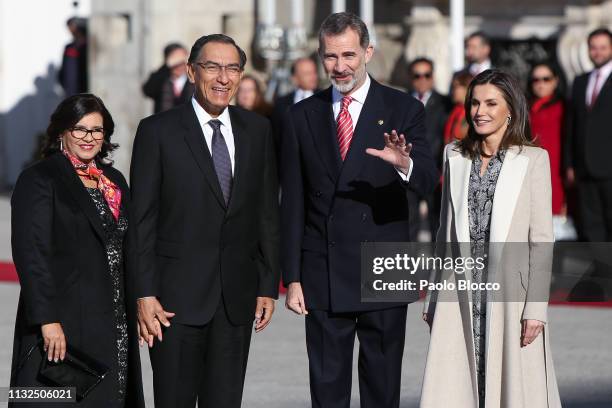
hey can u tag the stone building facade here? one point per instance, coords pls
(127, 37)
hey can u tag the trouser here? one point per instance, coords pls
(595, 209)
(205, 363)
(329, 340)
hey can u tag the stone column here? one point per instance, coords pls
(430, 37)
(366, 11)
(457, 23)
(116, 58)
(338, 6)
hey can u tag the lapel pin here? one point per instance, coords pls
(380, 122)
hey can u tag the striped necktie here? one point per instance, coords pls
(344, 127)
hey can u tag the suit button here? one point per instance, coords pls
(364, 217)
(332, 244)
(318, 194)
(331, 217)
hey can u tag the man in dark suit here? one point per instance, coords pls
(73, 75)
(437, 107)
(205, 211)
(337, 193)
(306, 80)
(477, 55)
(589, 142)
(169, 85)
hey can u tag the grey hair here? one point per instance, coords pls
(337, 23)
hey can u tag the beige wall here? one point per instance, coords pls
(125, 50)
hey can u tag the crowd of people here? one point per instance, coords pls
(187, 259)
(560, 123)
(558, 120)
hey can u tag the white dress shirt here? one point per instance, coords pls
(604, 71)
(226, 129)
(476, 68)
(179, 83)
(424, 99)
(359, 97)
(301, 94)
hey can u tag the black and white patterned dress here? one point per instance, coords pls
(481, 191)
(115, 231)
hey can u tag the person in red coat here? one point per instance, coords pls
(546, 114)
(456, 126)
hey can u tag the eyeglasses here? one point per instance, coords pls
(535, 80)
(80, 133)
(418, 75)
(212, 68)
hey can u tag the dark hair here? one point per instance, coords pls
(518, 132)
(479, 34)
(68, 113)
(297, 61)
(337, 23)
(80, 24)
(463, 78)
(600, 31)
(218, 38)
(170, 48)
(420, 60)
(556, 71)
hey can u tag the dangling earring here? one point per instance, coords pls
(61, 144)
(509, 119)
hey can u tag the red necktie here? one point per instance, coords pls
(345, 127)
(594, 93)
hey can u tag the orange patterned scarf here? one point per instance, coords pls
(110, 191)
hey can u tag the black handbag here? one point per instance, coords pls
(77, 370)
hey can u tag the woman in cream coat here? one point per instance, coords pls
(497, 189)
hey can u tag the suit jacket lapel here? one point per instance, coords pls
(607, 87)
(507, 192)
(242, 148)
(323, 130)
(460, 168)
(459, 173)
(433, 100)
(368, 132)
(582, 83)
(78, 191)
(194, 137)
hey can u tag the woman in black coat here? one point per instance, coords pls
(70, 247)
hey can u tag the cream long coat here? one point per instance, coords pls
(515, 377)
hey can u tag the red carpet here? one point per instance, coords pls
(7, 272)
(581, 304)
